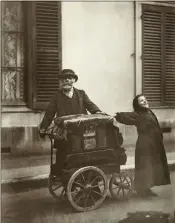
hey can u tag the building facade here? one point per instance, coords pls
(118, 50)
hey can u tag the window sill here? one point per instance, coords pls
(162, 107)
(18, 109)
(159, 3)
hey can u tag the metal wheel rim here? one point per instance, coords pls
(124, 186)
(53, 189)
(90, 193)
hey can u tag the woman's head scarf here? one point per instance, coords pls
(136, 105)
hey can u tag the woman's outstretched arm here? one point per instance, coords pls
(127, 118)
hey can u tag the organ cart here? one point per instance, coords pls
(93, 159)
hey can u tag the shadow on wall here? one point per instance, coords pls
(23, 141)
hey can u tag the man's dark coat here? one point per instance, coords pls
(59, 107)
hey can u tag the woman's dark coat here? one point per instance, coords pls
(151, 168)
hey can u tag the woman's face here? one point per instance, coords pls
(143, 103)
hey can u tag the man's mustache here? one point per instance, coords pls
(67, 83)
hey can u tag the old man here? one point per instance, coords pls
(67, 101)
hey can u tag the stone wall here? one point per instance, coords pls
(21, 140)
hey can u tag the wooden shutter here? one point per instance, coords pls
(170, 58)
(152, 64)
(158, 54)
(46, 51)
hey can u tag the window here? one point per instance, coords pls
(30, 63)
(12, 59)
(159, 54)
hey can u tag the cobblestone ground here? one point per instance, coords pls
(38, 206)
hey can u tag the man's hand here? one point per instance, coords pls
(101, 113)
(111, 119)
(42, 133)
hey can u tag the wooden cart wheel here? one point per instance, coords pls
(121, 186)
(87, 188)
(56, 188)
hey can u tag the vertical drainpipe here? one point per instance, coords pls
(134, 53)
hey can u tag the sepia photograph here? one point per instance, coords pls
(87, 111)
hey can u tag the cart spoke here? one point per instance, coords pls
(85, 202)
(89, 176)
(83, 178)
(79, 198)
(98, 185)
(123, 192)
(92, 198)
(97, 192)
(122, 185)
(77, 192)
(125, 181)
(115, 187)
(79, 184)
(95, 186)
(128, 181)
(94, 179)
(63, 191)
(122, 178)
(126, 188)
(57, 187)
(118, 191)
(116, 183)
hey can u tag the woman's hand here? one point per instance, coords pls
(112, 120)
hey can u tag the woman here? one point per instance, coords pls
(151, 168)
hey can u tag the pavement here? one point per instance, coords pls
(31, 172)
(23, 170)
(38, 206)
